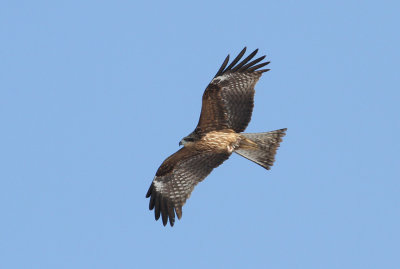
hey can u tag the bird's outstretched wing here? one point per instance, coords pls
(229, 98)
(176, 179)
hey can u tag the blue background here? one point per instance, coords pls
(94, 95)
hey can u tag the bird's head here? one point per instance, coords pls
(189, 139)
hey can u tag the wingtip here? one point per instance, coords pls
(149, 191)
(164, 214)
(152, 202)
(243, 62)
(164, 219)
(178, 211)
(221, 69)
(244, 65)
(157, 207)
(263, 70)
(162, 208)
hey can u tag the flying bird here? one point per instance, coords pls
(226, 110)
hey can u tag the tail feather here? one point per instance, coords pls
(261, 147)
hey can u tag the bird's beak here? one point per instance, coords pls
(180, 143)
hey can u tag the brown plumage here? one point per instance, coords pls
(226, 111)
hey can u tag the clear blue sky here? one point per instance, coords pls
(94, 95)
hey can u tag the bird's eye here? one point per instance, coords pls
(189, 139)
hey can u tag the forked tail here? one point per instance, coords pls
(261, 147)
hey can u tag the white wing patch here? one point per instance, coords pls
(158, 185)
(220, 78)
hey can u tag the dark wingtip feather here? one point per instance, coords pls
(178, 211)
(243, 66)
(254, 68)
(152, 202)
(157, 207)
(252, 63)
(221, 69)
(263, 70)
(164, 212)
(149, 191)
(245, 61)
(171, 214)
(162, 207)
(237, 59)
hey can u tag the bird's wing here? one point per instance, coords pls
(176, 179)
(229, 98)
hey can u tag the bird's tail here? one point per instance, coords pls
(261, 147)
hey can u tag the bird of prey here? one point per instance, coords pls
(226, 110)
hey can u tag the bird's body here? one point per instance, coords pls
(219, 141)
(226, 111)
